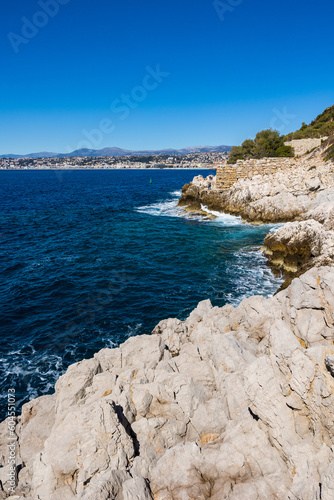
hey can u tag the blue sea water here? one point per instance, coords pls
(91, 257)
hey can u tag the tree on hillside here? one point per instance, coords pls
(267, 143)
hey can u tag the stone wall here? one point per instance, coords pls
(302, 146)
(227, 175)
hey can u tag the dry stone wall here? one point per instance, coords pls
(302, 146)
(227, 175)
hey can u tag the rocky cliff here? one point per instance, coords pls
(233, 403)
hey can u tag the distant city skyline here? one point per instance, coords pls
(171, 75)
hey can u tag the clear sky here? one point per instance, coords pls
(154, 74)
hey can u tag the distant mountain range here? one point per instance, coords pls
(123, 152)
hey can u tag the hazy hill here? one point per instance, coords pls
(123, 152)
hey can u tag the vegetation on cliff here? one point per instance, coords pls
(267, 143)
(322, 126)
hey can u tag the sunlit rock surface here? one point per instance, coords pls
(233, 403)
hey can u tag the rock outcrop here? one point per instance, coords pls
(301, 245)
(233, 403)
(281, 197)
(298, 246)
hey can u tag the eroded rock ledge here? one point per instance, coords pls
(233, 403)
(298, 246)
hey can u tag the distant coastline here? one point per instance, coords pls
(189, 161)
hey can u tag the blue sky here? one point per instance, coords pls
(173, 73)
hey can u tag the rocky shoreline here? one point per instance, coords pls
(302, 197)
(232, 403)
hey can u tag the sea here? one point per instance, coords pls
(89, 258)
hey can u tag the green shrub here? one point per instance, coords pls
(285, 151)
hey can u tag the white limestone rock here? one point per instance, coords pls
(231, 403)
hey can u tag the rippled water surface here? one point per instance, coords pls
(89, 258)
